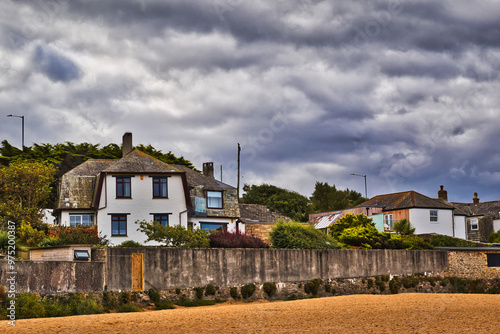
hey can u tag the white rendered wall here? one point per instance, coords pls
(496, 225)
(64, 219)
(420, 219)
(140, 206)
(460, 227)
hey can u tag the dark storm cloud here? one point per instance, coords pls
(55, 66)
(405, 92)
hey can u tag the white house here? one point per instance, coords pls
(115, 193)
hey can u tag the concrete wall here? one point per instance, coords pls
(176, 268)
(54, 277)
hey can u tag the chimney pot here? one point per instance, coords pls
(208, 169)
(127, 143)
(443, 194)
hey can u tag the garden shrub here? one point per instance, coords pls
(154, 295)
(29, 305)
(199, 292)
(458, 285)
(410, 282)
(26, 234)
(350, 220)
(4, 242)
(109, 299)
(174, 236)
(87, 305)
(177, 291)
(210, 290)
(270, 289)
(329, 289)
(446, 241)
(74, 235)
(298, 236)
(247, 290)
(164, 304)
(57, 307)
(233, 292)
(125, 308)
(130, 243)
(394, 285)
(494, 237)
(124, 297)
(369, 283)
(222, 239)
(198, 302)
(403, 227)
(415, 242)
(444, 282)
(313, 286)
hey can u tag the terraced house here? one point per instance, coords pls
(116, 193)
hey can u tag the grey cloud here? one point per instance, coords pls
(54, 65)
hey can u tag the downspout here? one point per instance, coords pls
(453, 221)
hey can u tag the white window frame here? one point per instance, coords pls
(211, 202)
(79, 222)
(434, 218)
(475, 222)
(389, 221)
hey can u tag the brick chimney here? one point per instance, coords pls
(443, 194)
(475, 200)
(208, 169)
(126, 143)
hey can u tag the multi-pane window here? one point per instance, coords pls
(214, 199)
(161, 218)
(388, 221)
(160, 189)
(123, 187)
(433, 215)
(118, 225)
(81, 219)
(214, 226)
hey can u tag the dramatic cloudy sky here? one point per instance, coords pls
(404, 92)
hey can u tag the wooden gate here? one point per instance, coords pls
(137, 272)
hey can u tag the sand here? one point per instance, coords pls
(402, 313)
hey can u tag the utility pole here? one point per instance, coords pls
(22, 118)
(366, 192)
(238, 192)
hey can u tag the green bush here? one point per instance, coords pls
(444, 282)
(350, 220)
(298, 236)
(29, 305)
(414, 242)
(403, 227)
(87, 305)
(154, 295)
(198, 302)
(410, 282)
(4, 242)
(174, 236)
(494, 237)
(233, 292)
(26, 234)
(394, 285)
(164, 304)
(446, 241)
(210, 290)
(57, 307)
(199, 292)
(369, 283)
(125, 308)
(124, 297)
(313, 286)
(247, 290)
(130, 243)
(73, 235)
(270, 289)
(109, 299)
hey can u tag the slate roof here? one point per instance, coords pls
(139, 162)
(195, 178)
(258, 213)
(480, 209)
(405, 200)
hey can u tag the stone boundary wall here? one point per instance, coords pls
(169, 268)
(471, 264)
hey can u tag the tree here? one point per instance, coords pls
(403, 227)
(286, 202)
(328, 198)
(174, 236)
(350, 220)
(24, 191)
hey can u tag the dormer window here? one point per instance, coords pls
(214, 199)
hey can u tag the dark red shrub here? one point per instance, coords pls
(235, 240)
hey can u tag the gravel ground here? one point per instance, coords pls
(402, 313)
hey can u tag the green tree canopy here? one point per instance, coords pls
(329, 198)
(351, 220)
(290, 234)
(24, 190)
(286, 202)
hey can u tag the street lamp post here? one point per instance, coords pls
(366, 191)
(22, 118)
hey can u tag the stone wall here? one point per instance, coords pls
(259, 230)
(471, 264)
